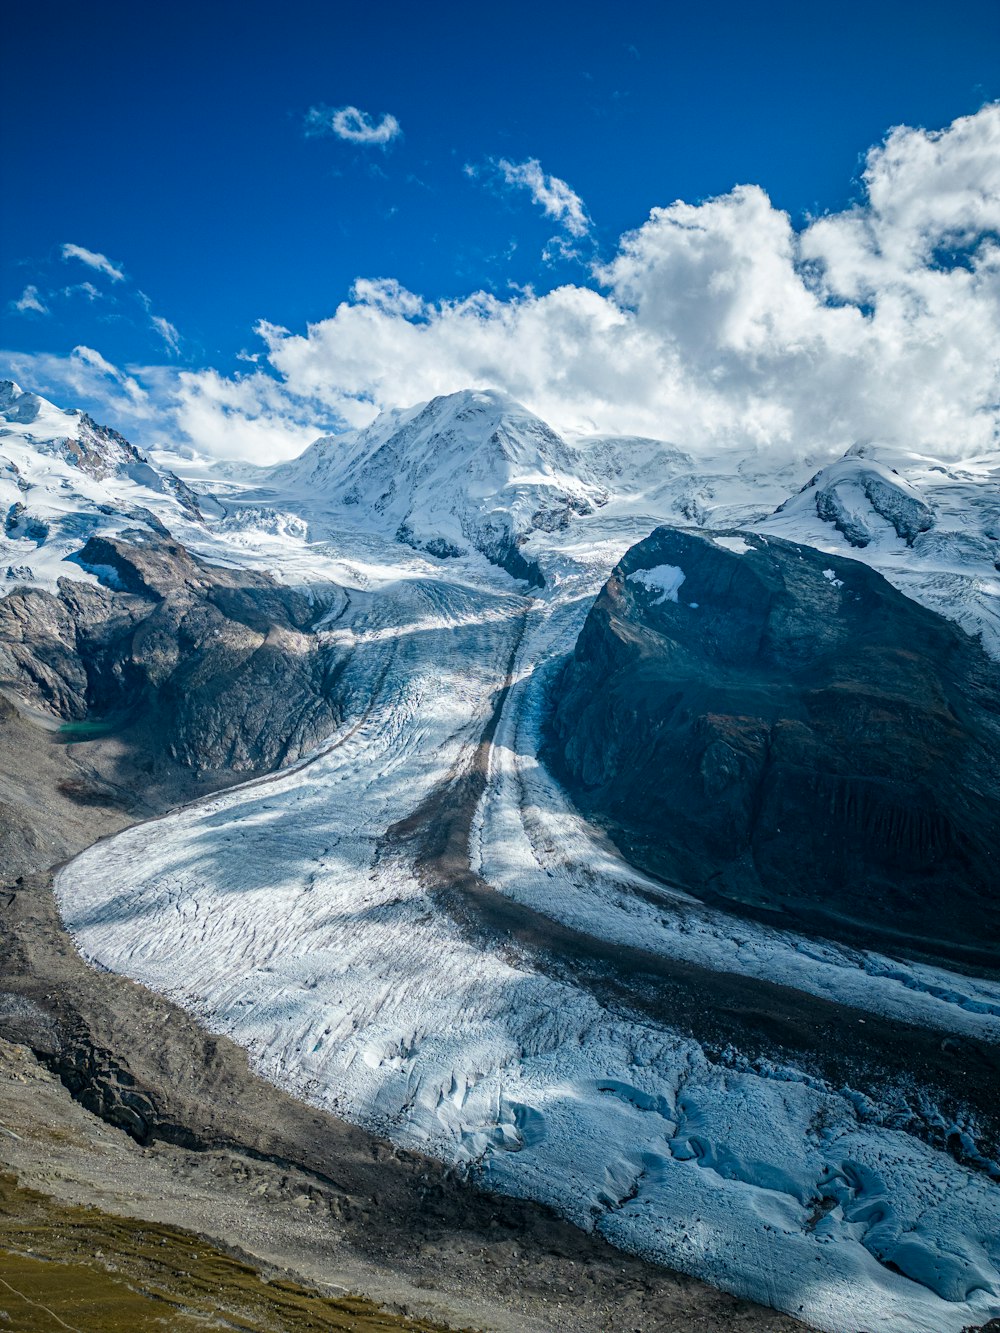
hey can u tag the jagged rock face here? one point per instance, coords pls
(215, 667)
(777, 729)
(101, 452)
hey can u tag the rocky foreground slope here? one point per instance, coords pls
(193, 664)
(780, 730)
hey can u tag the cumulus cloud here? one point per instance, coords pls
(717, 325)
(31, 300)
(100, 263)
(553, 196)
(722, 323)
(353, 125)
(250, 417)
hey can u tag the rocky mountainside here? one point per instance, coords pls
(780, 730)
(210, 668)
(64, 478)
(472, 469)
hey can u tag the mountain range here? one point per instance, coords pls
(612, 824)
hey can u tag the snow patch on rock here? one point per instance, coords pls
(665, 580)
(861, 498)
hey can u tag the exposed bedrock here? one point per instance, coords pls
(201, 666)
(783, 732)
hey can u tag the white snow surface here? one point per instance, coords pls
(281, 914)
(665, 580)
(62, 482)
(738, 545)
(467, 470)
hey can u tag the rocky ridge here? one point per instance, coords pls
(196, 665)
(779, 730)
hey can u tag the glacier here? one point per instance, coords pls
(304, 916)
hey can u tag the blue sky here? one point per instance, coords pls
(175, 144)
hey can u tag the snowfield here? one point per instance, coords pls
(63, 479)
(287, 914)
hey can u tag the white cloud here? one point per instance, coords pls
(722, 323)
(31, 299)
(559, 249)
(714, 324)
(100, 263)
(352, 124)
(553, 195)
(168, 332)
(386, 294)
(84, 378)
(91, 360)
(249, 417)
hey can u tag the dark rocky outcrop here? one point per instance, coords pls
(205, 667)
(781, 731)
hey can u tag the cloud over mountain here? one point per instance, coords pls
(717, 323)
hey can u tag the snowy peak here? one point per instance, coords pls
(73, 436)
(64, 477)
(471, 469)
(484, 432)
(16, 405)
(481, 442)
(76, 438)
(495, 429)
(20, 408)
(863, 499)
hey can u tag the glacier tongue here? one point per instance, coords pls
(284, 916)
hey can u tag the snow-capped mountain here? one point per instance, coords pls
(64, 478)
(932, 529)
(863, 499)
(472, 469)
(476, 474)
(312, 927)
